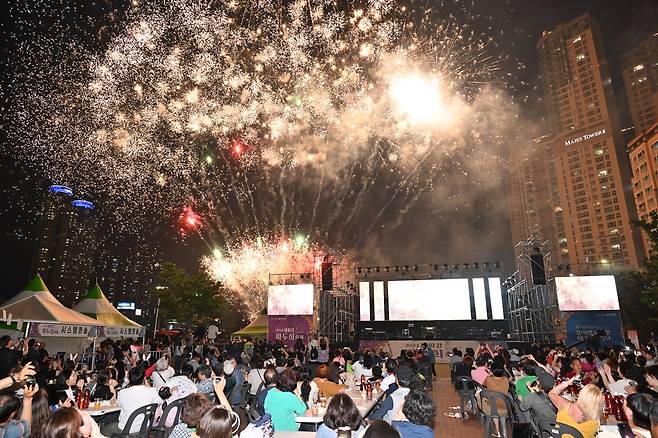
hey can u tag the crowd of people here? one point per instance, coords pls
(202, 387)
(555, 385)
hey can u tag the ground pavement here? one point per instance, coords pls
(447, 404)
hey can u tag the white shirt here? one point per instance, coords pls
(133, 398)
(617, 388)
(212, 331)
(255, 378)
(387, 381)
(313, 396)
(159, 378)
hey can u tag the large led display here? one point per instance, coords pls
(364, 301)
(290, 299)
(595, 292)
(429, 300)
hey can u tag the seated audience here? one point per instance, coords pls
(380, 429)
(584, 414)
(342, 414)
(637, 408)
(419, 412)
(283, 404)
(327, 387)
(391, 404)
(194, 407)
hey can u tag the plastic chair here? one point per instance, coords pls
(147, 413)
(466, 390)
(492, 398)
(162, 427)
(558, 430)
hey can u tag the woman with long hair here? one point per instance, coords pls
(70, 423)
(342, 414)
(218, 422)
(306, 389)
(194, 407)
(584, 414)
(40, 413)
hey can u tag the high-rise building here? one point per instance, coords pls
(66, 244)
(126, 273)
(590, 161)
(643, 155)
(532, 195)
(640, 71)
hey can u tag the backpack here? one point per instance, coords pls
(314, 353)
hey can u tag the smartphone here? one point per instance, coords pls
(625, 430)
(217, 379)
(579, 378)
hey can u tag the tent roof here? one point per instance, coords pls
(41, 306)
(97, 306)
(257, 327)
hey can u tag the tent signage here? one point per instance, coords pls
(119, 332)
(40, 329)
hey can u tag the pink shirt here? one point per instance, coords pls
(480, 374)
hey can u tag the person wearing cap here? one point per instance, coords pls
(391, 404)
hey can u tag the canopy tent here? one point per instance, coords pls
(36, 304)
(64, 329)
(256, 329)
(97, 306)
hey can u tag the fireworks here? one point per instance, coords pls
(264, 118)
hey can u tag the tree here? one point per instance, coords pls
(190, 299)
(638, 290)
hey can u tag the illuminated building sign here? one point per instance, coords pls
(584, 137)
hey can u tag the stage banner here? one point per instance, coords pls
(43, 329)
(122, 332)
(287, 328)
(442, 349)
(583, 325)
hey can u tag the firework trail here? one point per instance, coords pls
(256, 120)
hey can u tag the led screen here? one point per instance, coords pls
(364, 301)
(595, 292)
(291, 299)
(428, 300)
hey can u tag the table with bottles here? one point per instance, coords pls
(364, 395)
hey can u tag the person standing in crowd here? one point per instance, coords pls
(323, 350)
(283, 404)
(419, 411)
(342, 414)
(431, 357)
(255, 377)
(313, 349)
(584, 414)
(212, 333)
(9, 355)
(481, 372)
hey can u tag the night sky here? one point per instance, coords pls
(623, 23)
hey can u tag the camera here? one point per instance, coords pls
(30, 381)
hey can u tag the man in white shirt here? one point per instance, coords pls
(212, 333)
(138, 394)
(391, 369)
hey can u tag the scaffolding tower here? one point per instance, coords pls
(337, 314)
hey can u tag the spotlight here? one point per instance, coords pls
(396, 269)
(377, 269)
(416, 268)
(487, 266)
(445, 266)
(496, 265)
(387, 268)
(358, 270)
(567, 267)
(455, 267)
(558, 268)
(406, 267)
(476, 266)
(436, 267)
(466, 266)
(368, 269)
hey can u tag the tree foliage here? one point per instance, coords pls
(190, 299)
(638, 290)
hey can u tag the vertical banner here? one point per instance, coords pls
(287, 328)
(584, 325)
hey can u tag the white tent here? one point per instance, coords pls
(64, 329)
(98, 307)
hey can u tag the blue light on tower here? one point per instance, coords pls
(83, 204)
(60, 189)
